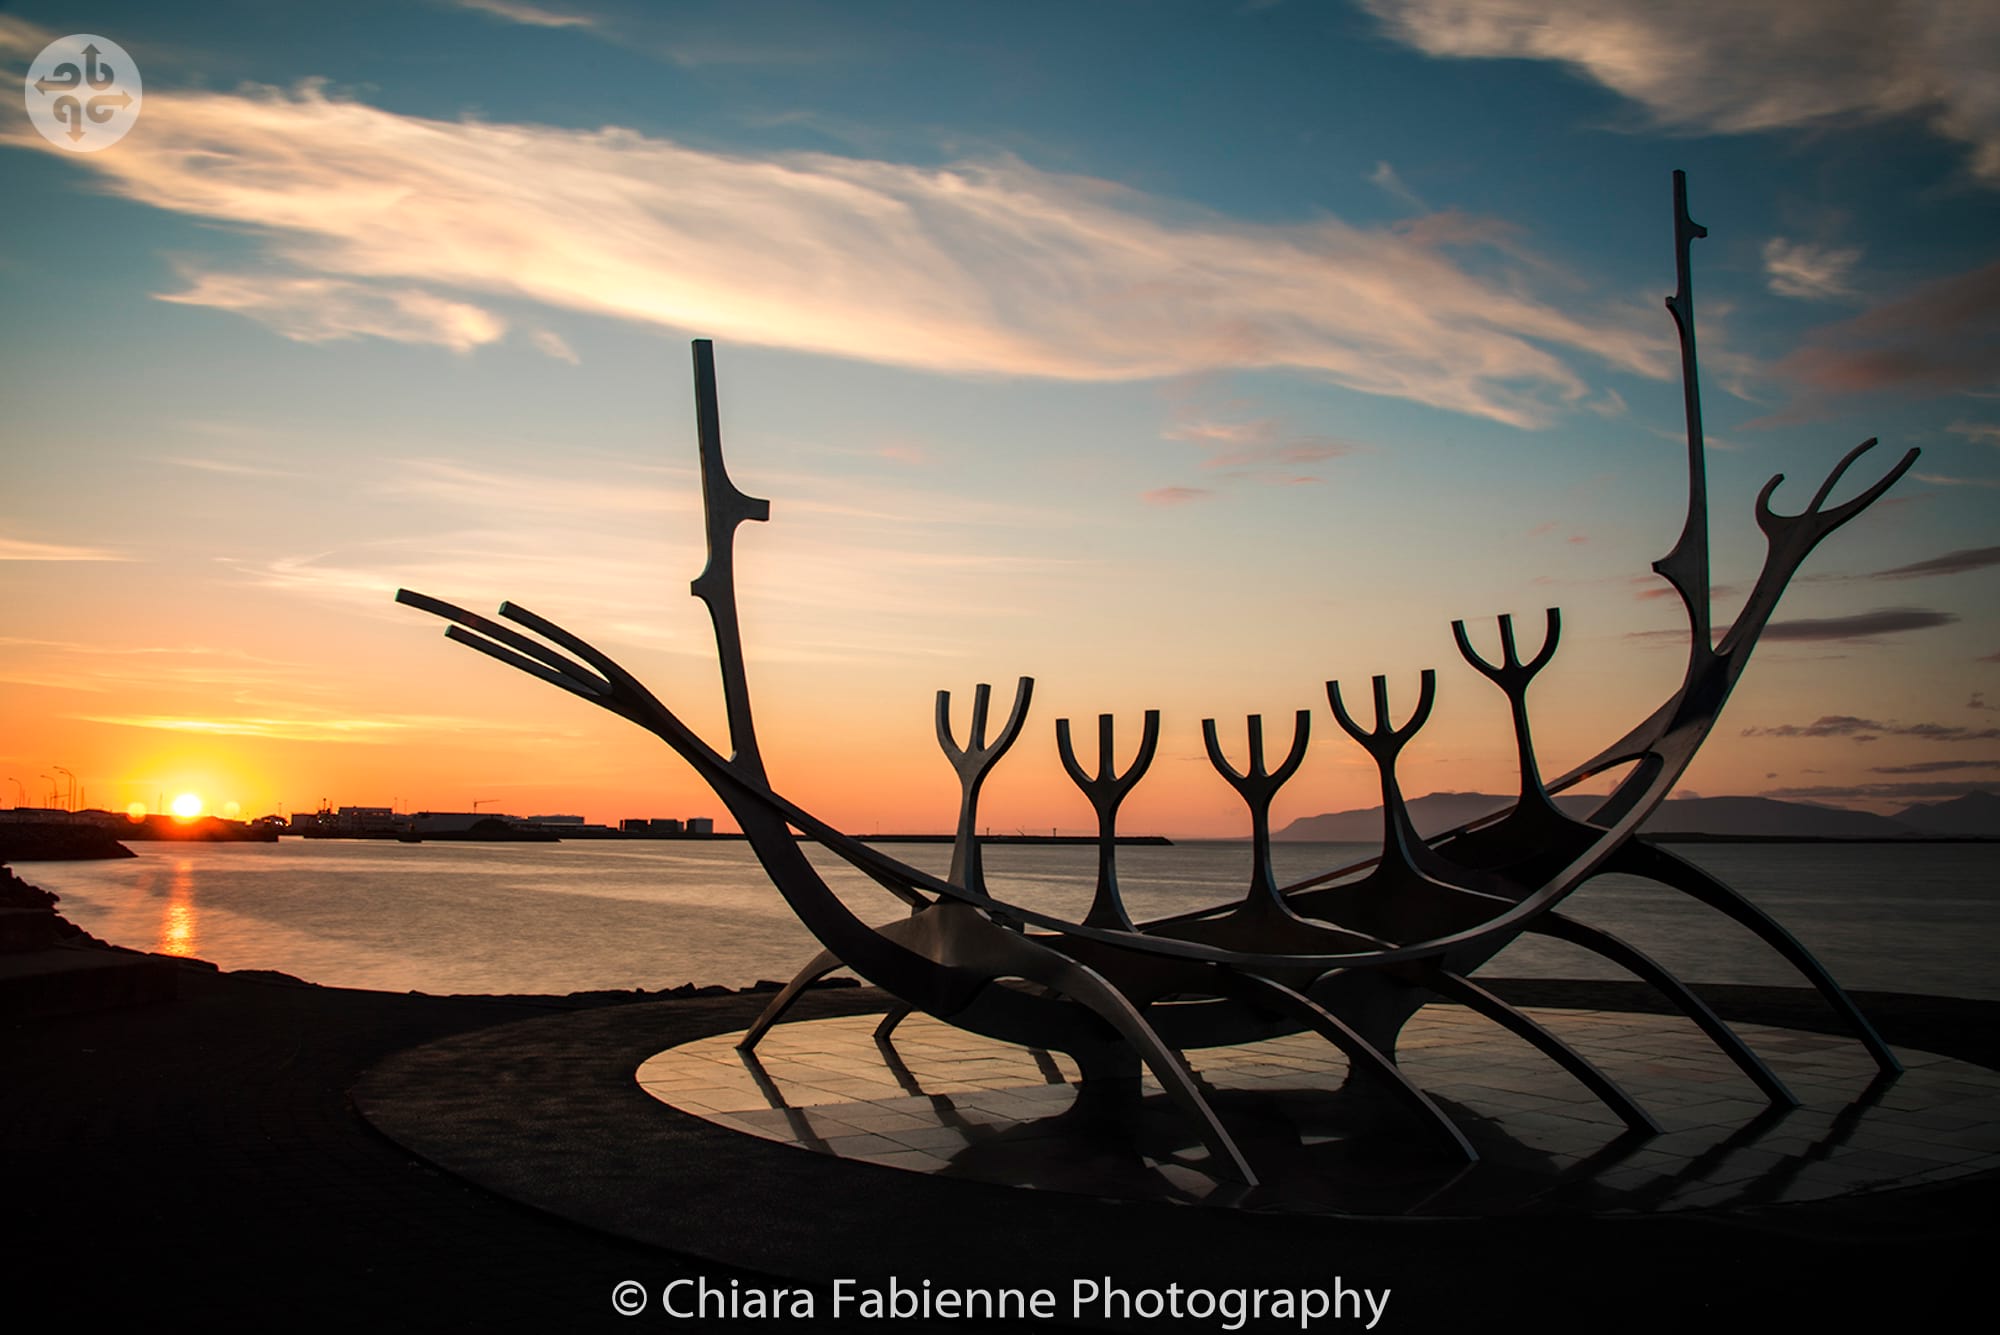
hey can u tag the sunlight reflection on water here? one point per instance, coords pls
(582, 915)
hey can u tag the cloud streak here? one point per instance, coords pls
(1868, 730)
(989, 267)
(1935, 767)
(1951, 563)
(1740, 66)
(534, 16)
(1945, 336)
(316, 310)
(1860, 626)
(19, 549)
(327, 728)
(1907, 792)
(1806, 271)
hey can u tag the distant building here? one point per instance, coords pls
(364, 820)
(555, 820)
(444, 822)
(701, 825)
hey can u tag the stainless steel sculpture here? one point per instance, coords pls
(1350, 955)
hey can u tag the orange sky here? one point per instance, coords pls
(1194, 379)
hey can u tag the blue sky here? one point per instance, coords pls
(1178, 355)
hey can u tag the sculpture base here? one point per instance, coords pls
(547, 1112)
(933, 1099)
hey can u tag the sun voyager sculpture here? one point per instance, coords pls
(1350, 955)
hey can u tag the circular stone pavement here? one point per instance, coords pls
(937, 1100)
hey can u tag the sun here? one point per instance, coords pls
(187, 806)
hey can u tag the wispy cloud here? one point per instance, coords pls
(1174, 495)
(122, 668)
(306, 730)
(1947, 480)
(1935, 767)
(555, 345)
(230, 467)
(315, 728)
(1860, 626)
(1943, 336)
(1259, 443)
(614, 488)
(512, 11)
(1738, 66)
(1807, 271)
(1651, 588)
(1386, 178)
(989, 267)
(1951, 563)
(1868, 730)
(1906, 792)
(1988, 432)
(316, 310)
(18, 37)
(582, 539)
(19, 549)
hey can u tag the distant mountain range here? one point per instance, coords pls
(1976, 815)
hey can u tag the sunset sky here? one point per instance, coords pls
(1178, 355)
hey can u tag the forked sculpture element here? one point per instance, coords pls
(1350, 955)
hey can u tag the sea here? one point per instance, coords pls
(555, 918)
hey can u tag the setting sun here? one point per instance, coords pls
(187, 806)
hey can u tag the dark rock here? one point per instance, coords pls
(57, 841)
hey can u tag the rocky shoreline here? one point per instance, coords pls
(58, 841)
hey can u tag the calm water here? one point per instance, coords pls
(574, 916)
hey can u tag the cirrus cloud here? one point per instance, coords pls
(315, 310)
(990, 267)
(1942, 336)
(1807, 271)
(20, 549)
(1861, 626)
(1738, 66)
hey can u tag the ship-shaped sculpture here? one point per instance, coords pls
(1350, 955)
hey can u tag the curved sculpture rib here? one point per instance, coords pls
(817, 968)
(1455, 987)
(1650, 970)
(1363, 1055)
(1656, 864)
